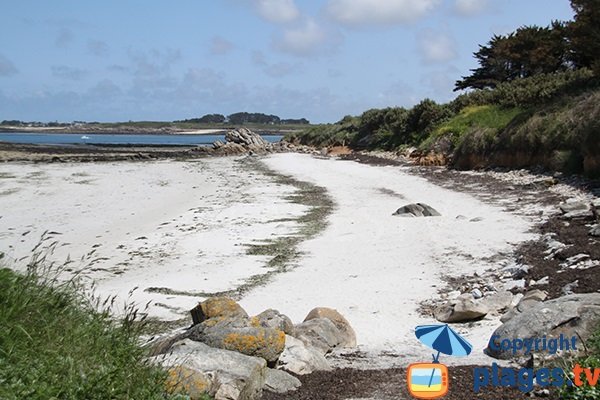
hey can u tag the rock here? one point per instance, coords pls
(266, 343)
(578, 214)
(571, 206)
(320, 333)
(348, 334)
(273, 319)
(279, 381)
(576, 259)
(476, 219)
(595, 231)
(189, 382)
(245, 137)
(568, 288)
(576, 315)
(516, 271)
(228, 375)
(530, 299)
(217, 308)
(476, 293)
(300, 358)
(498, 302)
(544, 281)
(515, 284)
(417, 210)
(463, 309)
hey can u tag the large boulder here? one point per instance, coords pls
(227, 375)
(417, 210)
(320, 333)
(217, 308)
(279, 381)
(273, 319)
(301, 359)
(348, 338)
(576, 315)
(462, 309)
(266, 343)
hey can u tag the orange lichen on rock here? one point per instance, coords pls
(186, 381)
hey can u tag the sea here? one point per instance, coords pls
(117, 139)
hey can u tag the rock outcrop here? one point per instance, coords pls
(462, 309)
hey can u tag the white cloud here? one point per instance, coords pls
(278, 11)
(378, 12)
(303, 40)
(436, 47)
(68, 73)
(220, 46)
(470, 7)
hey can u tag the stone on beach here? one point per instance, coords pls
(301, 359)
(217, 308)
(417, 210)
(273, 319)
(245, 137)
(320, 333)
(576, 315)
(462, 309)
(279, 381)
(225, 375)
(348, 334)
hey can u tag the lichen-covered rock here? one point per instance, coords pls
(348, 338)
(245, 137)
(273, 319)
(186, 381)
(217, 308)
(301, 359)
(229, 375)
(261, 342)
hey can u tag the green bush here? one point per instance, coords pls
(57, 343)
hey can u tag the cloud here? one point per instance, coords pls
(281, 69)
(64, 38)
(153, 62)
(441, 82)
(220, 46)
(7, 68)
(436, 47)
(258, 58)
(277, 11)
(97, 48)
(470, 7)
(68, 73)
(379, 12)
(303, 40)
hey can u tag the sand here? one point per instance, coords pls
(183, 225)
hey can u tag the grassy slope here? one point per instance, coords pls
(53, 344)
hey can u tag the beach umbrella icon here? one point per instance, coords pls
(443, 339)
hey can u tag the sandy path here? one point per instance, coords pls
(375, 268)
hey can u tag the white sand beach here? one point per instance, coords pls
(181, 227)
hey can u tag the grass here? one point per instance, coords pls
(58, 343)
(487, 117)
(590, 360)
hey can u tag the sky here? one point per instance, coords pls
(115, 60)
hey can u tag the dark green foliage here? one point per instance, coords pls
(56, 343)
(584, 34)
(341, 133)
(241, 118)
(590, 360)
(529, 51)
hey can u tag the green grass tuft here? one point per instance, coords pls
(58, 343)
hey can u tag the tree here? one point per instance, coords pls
(584, 34)
(528, 51)
(212, 119)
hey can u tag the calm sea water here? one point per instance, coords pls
(83, 138)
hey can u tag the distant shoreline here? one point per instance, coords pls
(130, 131)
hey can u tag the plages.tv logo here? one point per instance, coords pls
(432, 380)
